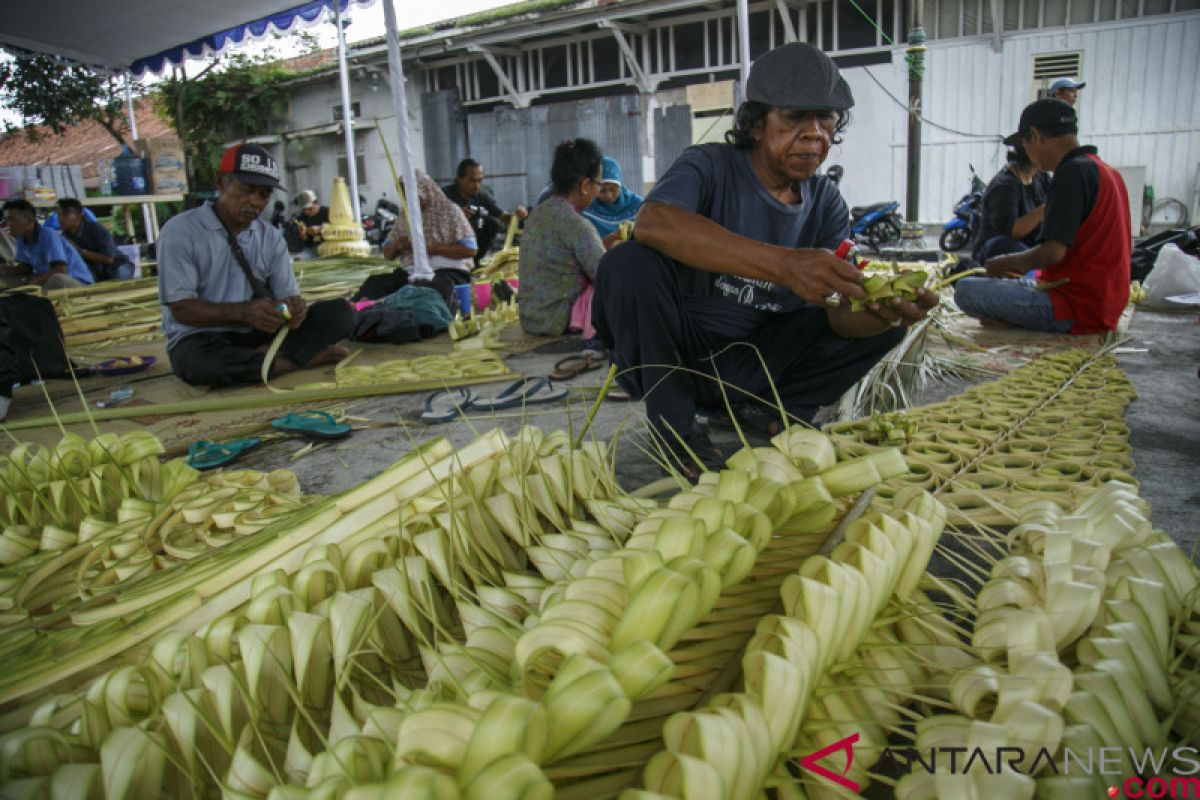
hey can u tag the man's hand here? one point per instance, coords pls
(1003, 267)
(896, 311)
(299, 310)
(874, 319)
(815, 274)
(262, 315)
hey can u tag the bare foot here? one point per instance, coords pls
(330, 355)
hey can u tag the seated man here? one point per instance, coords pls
(1085, 241)
(305, 232)
(485, 216)
(732, 247)
(225, 279)
(43, 256)
(94, 243)
(1013, 203)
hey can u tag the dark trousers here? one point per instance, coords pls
(659, 320)
(999, 246)
(8, 353)
(486, 236)
(228, 358)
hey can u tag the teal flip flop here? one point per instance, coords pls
(312, 424)
(204, 455)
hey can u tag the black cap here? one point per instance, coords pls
(250, 164)
(798, 75)
(1042, 114)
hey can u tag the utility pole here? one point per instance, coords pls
(910, 235)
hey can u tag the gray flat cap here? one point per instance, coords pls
(798, 75)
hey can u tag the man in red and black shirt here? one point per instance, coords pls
(1085, 241)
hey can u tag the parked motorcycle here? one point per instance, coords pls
(960, 231)
(876, 225)
(379, 224)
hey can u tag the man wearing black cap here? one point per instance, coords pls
(1085, 239)
(733, 247)
(226, 285)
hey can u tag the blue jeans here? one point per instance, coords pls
(1016, 302)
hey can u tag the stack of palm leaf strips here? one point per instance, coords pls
(119, 312)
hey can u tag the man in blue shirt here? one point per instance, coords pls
(43, 257)
(733, 247)
(93, 241)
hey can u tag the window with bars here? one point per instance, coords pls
(1048, 67)
(355, 111)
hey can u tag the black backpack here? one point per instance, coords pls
(30, 328)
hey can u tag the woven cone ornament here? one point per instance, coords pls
(343, 234)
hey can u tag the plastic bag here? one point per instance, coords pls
(1174, 273)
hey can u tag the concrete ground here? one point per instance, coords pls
(1161, 358)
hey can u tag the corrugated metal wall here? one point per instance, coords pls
(516, 145)
(672, 134)
(445, 133)
(1141, 106)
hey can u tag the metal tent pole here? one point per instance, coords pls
(347, 111)
(743, 18)
(421, 268)
(147, 216)
(911, 238)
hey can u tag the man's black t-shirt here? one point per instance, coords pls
(1005, 200)
(477, 208)
(1072, 196)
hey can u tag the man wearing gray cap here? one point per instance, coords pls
(305, 232)
(733, 247)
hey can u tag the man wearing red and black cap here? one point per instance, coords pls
(226, 285)
(1085, 240)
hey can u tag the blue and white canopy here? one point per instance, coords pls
(141, 36)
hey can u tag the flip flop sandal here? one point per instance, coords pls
(446, 404)
(203, 455)
(312, 424)
(525, 392)
(577, 364)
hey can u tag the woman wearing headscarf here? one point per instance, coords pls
(615, 204)
(560, 249)
(449, 243)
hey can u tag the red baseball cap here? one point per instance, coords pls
(250, 164)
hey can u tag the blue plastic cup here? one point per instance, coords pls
(464, 298)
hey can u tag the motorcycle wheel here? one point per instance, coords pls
(954, 240)
(882, 233)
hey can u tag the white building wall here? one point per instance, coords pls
(1141, 107)
(312, 106)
